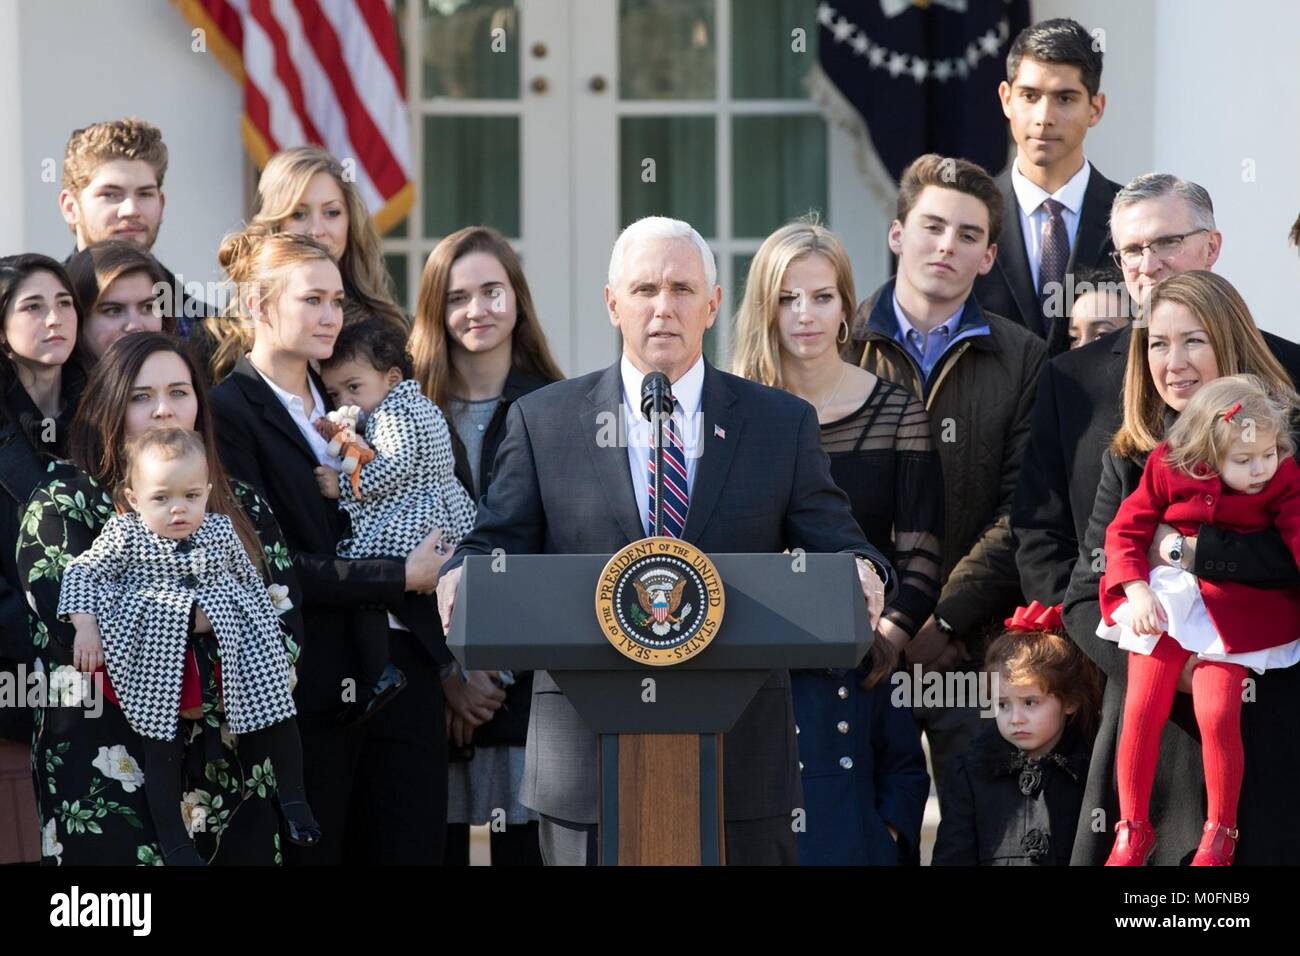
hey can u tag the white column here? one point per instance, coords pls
(11, 121)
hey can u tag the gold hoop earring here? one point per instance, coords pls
(838, 339)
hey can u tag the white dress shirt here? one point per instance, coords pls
(297, 410)
(1034, 216)
(688, 391)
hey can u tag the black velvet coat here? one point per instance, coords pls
(1003, 809)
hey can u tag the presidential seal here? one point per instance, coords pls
(660, 601)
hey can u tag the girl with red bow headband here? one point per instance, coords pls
(1228, 462)
(1013, 798)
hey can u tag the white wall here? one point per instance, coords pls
(1121, 145)
(1198, 88)
(1229, 95)
(80, 61)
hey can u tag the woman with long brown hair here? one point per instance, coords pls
(88, 764)
(1196, 329)
(478, 346)
(305, 191)
(117, 285)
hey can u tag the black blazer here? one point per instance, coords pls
(1008, 288)
(1002, 809)
(260, 444)
(762, 485)
(1076, 413)
(24, 457)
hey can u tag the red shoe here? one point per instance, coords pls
(1218, 846)
(1133, 842)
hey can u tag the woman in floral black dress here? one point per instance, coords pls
(88, 768)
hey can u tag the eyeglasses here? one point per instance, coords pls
(1165, 247)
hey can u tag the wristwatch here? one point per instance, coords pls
(944, 626)
(1177, 551)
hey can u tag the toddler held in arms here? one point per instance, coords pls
(396, 498)
(157, 575)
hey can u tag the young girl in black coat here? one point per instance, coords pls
(1013, 798)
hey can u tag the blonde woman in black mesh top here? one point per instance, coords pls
(864, 776)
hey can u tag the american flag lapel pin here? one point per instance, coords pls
(720, 432)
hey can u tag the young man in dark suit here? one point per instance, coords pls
(1161, 225)
(757, 481)
(1055, 202)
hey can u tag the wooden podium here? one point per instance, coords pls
(660, 728)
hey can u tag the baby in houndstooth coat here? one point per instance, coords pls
(408, 489)
(157, 574)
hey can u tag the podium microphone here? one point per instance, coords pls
(655, 392)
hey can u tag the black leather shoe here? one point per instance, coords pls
(391, 683)
(301, 824)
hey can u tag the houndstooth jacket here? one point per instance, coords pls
(410, 488)
(141, 588)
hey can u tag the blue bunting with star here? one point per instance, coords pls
(923, 75)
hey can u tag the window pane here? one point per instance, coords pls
(739, 272)
(778, 171)
(668, 167)
(395, 263)
(469, 49)
(471, 173)
(768, 59)
(666, 50)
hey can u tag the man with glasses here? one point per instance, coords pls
(1161, 225)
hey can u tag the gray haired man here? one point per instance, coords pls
(757, 481)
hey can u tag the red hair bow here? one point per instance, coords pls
(1227, 416)
(1036, 617)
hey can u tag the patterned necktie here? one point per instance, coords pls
(676, 499)
(1055, 251)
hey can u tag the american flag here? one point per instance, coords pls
(326, 72)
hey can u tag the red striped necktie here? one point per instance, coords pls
(676, 498)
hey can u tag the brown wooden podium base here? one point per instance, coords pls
(661, 800)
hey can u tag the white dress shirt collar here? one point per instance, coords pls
(1030, 195)
(297, 410)
(687, 390)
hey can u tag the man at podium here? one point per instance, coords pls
(744, 472)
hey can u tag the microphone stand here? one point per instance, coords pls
(653, 401)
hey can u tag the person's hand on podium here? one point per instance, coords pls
(447, 597)
(873, 589)
(424, 563)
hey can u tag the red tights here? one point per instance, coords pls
(1216, 696)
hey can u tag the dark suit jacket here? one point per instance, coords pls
(1076, 413)
(763, 488)
(260, 444)
(1008, 289)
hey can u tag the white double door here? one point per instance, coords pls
(634, 107)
